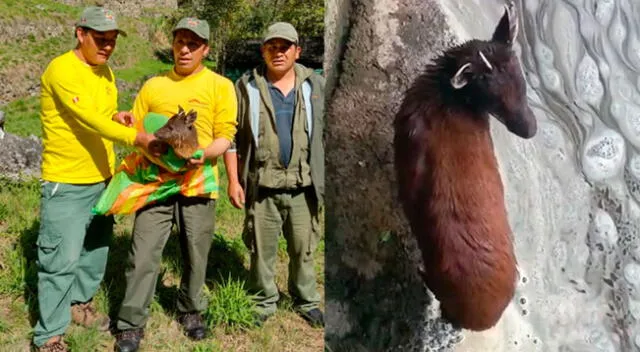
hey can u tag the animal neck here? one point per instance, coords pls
(464, 127)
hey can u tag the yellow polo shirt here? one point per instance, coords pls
(77, 102)
(211, 95)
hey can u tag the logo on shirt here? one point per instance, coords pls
(75, 99)
(197, 102)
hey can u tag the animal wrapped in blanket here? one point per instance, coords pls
(448, 177)
(143, 179)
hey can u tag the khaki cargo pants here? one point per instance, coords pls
(73, 245)
(295, 215)
(195, 219)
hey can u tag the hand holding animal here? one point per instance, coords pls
(448, 177)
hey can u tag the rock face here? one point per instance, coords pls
(572, 191)
(20, 157)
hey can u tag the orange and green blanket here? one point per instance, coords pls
(142, 179)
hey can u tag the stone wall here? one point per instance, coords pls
(132, 8)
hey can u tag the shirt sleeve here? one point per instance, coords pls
(225, 111)
(71, 93)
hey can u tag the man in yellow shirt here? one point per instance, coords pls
(78, 101)
(192, 86)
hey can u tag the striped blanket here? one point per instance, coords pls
(142, 179)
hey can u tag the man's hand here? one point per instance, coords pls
(124, 118)
(197, 161)
(143, 140)
(236, 195)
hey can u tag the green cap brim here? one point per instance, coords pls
(192, 31)
(268, 38)
(105, 29)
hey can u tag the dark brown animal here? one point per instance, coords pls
(448, 177)
(179, 133)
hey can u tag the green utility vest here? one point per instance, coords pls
(271, 171)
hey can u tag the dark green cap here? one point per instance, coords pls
(197, 26)
(283, 30)
(99, 19)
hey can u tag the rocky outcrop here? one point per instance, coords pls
(20, 157)
(571, 192)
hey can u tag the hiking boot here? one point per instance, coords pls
(259, 319)
(85, 314)
(128, 340)
(193, 326)
(54, 344)
(314, 317)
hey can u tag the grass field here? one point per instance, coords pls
(227, 269)
(133, 60)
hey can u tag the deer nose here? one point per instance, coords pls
(523, 124)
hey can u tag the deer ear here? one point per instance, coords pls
(180, 110)
(191, 117)
(460, 79)
(507, 29)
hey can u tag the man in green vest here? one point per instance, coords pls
(277, 161)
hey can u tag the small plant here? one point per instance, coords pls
(4, 213)
(230, 306)
(206, 347)
(4, 327)
(16, 275)
(80, 339)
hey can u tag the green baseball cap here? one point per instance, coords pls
(99, 19)
(283, 30)
(196, 25)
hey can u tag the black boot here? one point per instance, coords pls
(314, 317)
(193, 326)
(128, 340)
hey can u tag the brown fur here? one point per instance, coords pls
(179, 133)
(448, 177)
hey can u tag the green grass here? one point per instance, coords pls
(141, 70)
(22, 117)
(228, 313)
(230, 306)
(24, 51)
(12, 9)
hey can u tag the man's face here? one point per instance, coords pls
(280, 55)
(188, 51)
(96, 47)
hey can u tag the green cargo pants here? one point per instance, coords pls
(295, 215)
(73, 245)
(195, 219)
